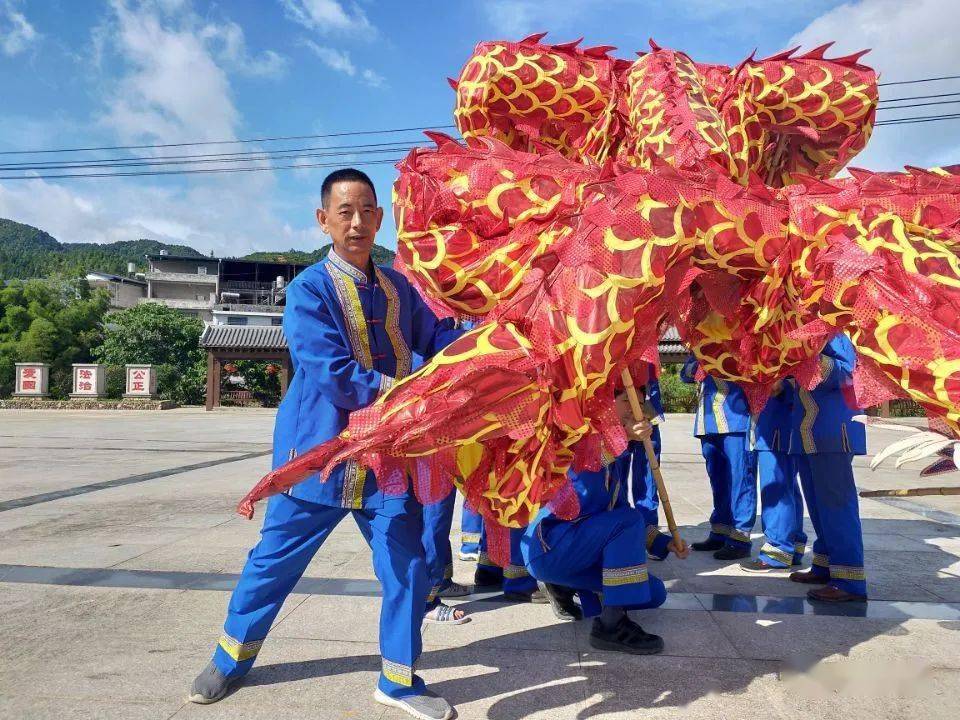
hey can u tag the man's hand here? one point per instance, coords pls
(639, 431)
(681, 552)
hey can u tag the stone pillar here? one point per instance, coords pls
(141, 381)
(33, 380)
(89, 381)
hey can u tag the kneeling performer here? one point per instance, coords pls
(602, 551)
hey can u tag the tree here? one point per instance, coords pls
(157, 335)
(53, 322)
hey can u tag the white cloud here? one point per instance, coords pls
(223, 214)
(341, 62)
(327, 16)
(167, 79)
(333, 59)
(909, 41)
(373, 79)
(174, 90)
(16, 32)
(229, 43)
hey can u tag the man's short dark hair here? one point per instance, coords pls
(344, 175)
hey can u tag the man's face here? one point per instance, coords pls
(351, 219)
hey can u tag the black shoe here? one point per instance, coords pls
(626, 637)
(728, 552)
(561, 601)
(486, 580)
(210, 686)
(707, 545)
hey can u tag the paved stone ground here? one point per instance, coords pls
(119, 548)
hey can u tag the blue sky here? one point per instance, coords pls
(106, 72)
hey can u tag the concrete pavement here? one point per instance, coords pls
(119, 548)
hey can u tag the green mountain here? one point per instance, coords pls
(380, 254)
(28, 252)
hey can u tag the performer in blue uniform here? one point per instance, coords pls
(823, 440)
(600, 552)
(721, 423)
(643, 485)
(351, 328)
(437, 523)
(514, 579)
(781, 505)
(471, 525)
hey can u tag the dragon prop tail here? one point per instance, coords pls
(289, 474)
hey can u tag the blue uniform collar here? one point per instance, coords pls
(345, 267)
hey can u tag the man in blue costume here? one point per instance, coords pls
(721, 423)
(642, 483)
(437, 523)
(823, 440)
(781, 505)
(471, 526)
(352, 328)
(514, 579)
(600, 552)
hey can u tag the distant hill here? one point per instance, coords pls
(28, 252)
(381, 256)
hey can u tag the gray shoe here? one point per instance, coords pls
(455, 589)
(210, 686)
(427, 706)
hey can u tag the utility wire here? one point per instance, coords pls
(918, 97)
(194, 171)
(918, 119)
(915, 105)
(150, 162)
(278, 153)
(229, 142)
(921, 80)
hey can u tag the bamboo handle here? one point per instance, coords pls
(911, 492)
(638, 415)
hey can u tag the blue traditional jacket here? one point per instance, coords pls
(721, 405)
(653, 392)
(821, 419)
(770, 429)
(350, 337)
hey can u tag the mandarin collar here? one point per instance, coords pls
(345, 267)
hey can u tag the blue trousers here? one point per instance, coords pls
(516, 577)
(293, 530)
(597, 554)
(831, 495)
(781, 509)
(471, 525)
(643, 486)
(732, 470)
(646, 500)
(437, 521)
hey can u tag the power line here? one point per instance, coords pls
(278, 153)
(229, 142)
(921, 80)
(919, 97)
(195, 171)
(916, 105)
(918, 119)
(150, 162)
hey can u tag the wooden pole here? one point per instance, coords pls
(777, 156)
(911, 492)
(638, 415)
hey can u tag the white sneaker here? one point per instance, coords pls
(428, 706)
(468, 557)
